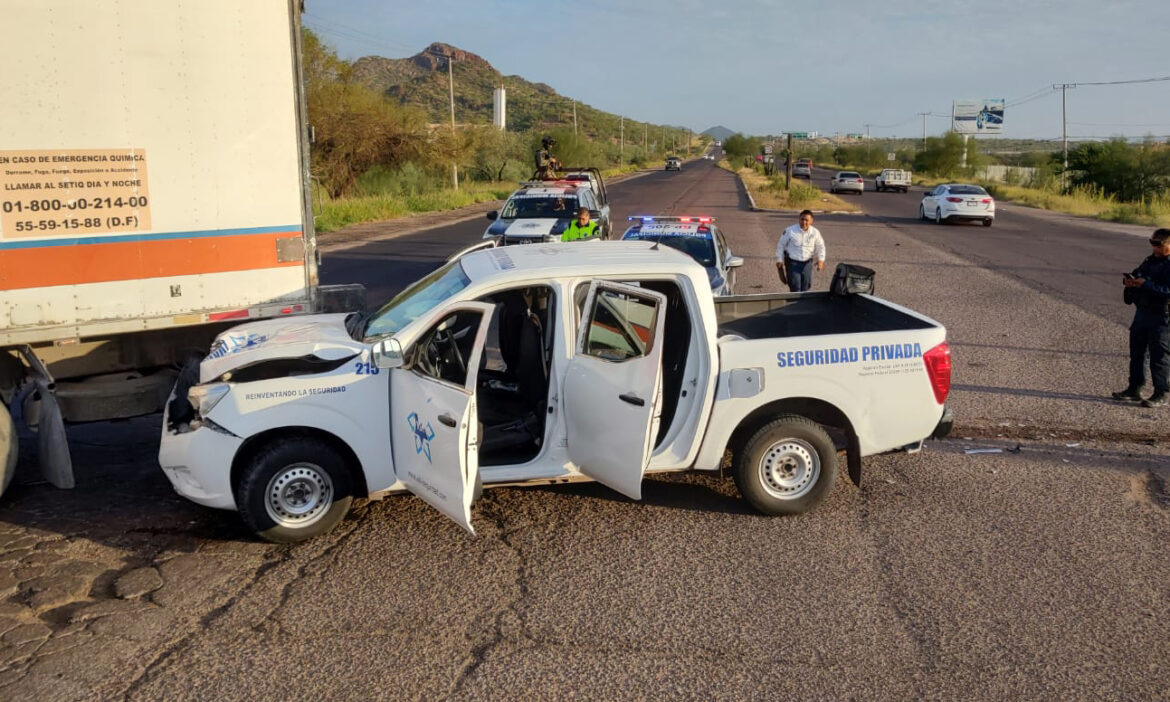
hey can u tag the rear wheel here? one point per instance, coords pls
(987, 222)
(294, 490)
(788, 466)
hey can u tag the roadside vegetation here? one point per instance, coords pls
(1115, 180)
(769, 193)
(374, 157)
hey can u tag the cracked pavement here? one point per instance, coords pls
(1039, 573)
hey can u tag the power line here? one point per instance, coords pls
(1160, 79)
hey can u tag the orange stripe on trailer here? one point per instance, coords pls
(24, 268)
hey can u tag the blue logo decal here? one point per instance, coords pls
(422, 436)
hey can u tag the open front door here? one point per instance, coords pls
(433, 420)
(612, 385)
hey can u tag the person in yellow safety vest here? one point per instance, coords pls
(581, 228)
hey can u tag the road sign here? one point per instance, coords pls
(891, 156)
(767, 149)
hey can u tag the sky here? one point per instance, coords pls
(770, 66)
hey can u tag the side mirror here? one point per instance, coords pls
(387, 353)
(493, 215)
(733, 262)
(595, 214)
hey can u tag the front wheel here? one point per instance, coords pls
(294, 490)
(9, 447)
(921, 212)
(787, 467)
(938, 218)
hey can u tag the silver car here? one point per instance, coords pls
(847, 181)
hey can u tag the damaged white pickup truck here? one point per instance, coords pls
(544, 364)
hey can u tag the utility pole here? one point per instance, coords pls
(574, 118)
(1064, 127)
(924, 114)
(788, 165)
(451, 94)
(622, 141)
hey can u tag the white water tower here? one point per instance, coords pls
(499, 105)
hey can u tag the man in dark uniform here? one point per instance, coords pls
(546, 164)
(1147, 288)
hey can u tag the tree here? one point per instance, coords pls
(356, 128)
(1127, 171)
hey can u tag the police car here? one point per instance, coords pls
(540, 211)
(697, 237)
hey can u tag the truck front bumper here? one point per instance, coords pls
(945, 424)
(199, 464)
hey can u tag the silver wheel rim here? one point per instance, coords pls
(938, 216)
(789, 469)
(298, 495)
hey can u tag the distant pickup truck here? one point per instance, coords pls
(545, 364)
(892, 179)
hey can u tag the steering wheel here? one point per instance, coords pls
(454, 353)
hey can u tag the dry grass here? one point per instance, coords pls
(1086, 202)
(769, 193)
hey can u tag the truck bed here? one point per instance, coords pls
(810, 314)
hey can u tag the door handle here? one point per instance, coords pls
(447, 419)
(632, 399)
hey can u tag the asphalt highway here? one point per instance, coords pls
(1039, 570)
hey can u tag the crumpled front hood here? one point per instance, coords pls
(322, 335)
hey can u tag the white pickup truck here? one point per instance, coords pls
(892, 179)
(544, 364)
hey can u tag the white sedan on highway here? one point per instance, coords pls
(955, 201)
(847, 181)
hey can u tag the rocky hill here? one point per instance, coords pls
(421, 80)
(719, 133)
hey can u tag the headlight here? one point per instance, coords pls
(205, 397)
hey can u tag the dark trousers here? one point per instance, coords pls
(1149, 336)
(800, 274)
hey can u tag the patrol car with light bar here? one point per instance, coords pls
(541, 210)
(697, 237)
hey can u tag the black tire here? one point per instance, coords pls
(987, 222)
(300, 461)
(921, 212)
(938, 218)
(9, 447)
(787, 440)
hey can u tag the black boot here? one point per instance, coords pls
(1129, 394)
(1159, 399)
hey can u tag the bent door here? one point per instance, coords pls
(612, 385)
(433, 421)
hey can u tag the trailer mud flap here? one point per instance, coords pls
(853, 459)
(52, 444)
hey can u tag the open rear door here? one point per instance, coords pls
(433, 418)
(612, 385)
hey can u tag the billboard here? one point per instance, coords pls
(978, 116)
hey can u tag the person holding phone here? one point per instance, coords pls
(1147, 288)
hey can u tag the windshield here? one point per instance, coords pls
(966, 190)
(698, 248)
(848, 174)
(525, 206)
(417, 300)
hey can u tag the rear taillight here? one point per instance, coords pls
(938, 368)
(954, 199)
(986, 201)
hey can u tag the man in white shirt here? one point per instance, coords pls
(801, 247)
